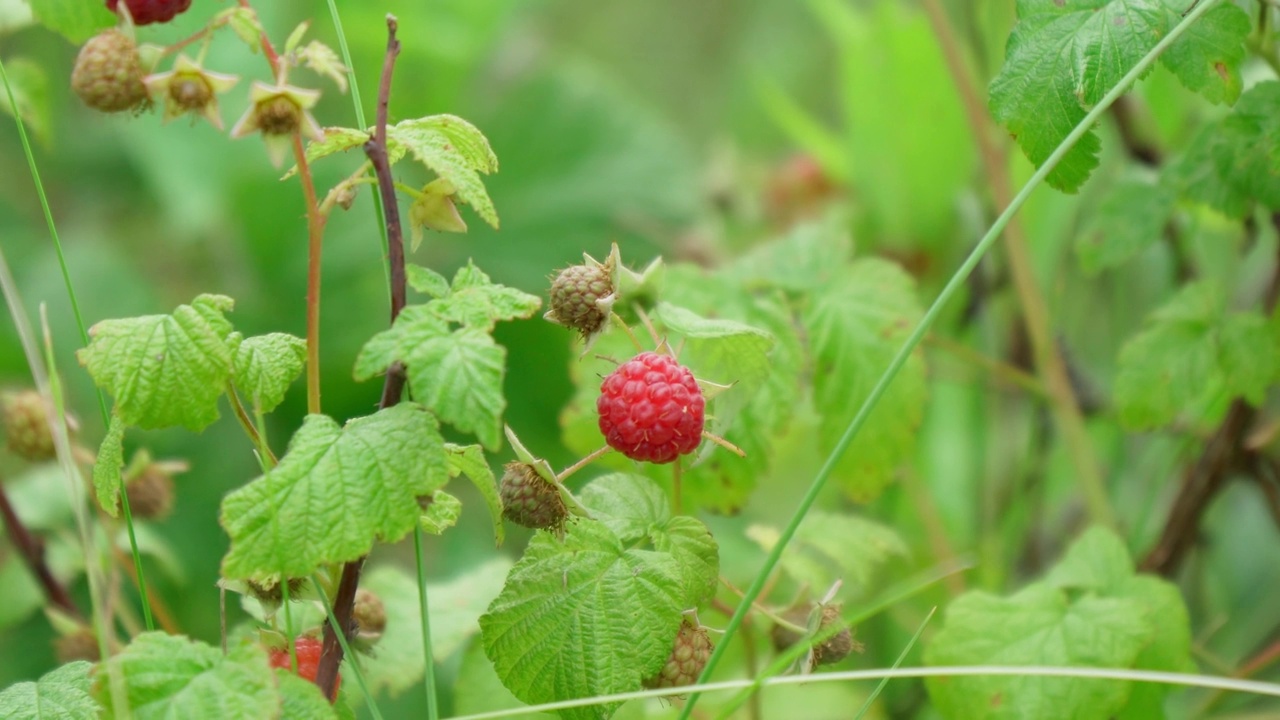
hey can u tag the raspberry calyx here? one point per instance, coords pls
(651, 409)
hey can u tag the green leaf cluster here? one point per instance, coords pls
(171, 370)
(799, 329)
(446, 344)
(62, 693)
(1192, 358)
(1063, 56)
(1091, 610)
(449, 146)
(596, 613)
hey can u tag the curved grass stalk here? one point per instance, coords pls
(931, 315)
(1148, 676)
(81, 518)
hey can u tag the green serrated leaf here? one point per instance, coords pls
(441, 513)
(336, 140)
(168, 676)
(446, 145)
(469, 460)
(478, 688)
(1207, 57)
(1062, 57)
(164, 370)
(454, 608)
(1193, 358)
(76, 20)
(61, 694)
(107, 480)
(583, 617)
(829, 547)
(457, 374)
(811, 253)
(426, 281)
(335, 492)
(635, 508)
(1091, 610)
(476, 301)
(302, 699)
(1222, 166)
(856, 325)
(265, 366)
(30, 87)
(1130, 218)
(1037, 626)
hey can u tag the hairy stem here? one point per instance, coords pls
(315, 240)
(393, 386)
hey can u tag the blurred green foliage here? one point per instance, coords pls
(658, 125)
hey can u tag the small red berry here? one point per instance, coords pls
(651, 409)
(145, 12)
(308, 650)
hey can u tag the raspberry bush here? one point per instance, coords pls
(330, 472)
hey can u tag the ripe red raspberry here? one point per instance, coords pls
(651, 409)
(308, 651)
(145, 12)
(689, 654)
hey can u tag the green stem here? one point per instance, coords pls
(429, 674)
(84, 333)
(931, 315)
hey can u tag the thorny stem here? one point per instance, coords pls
(393, 385)
(31, 548)
(1065, 406)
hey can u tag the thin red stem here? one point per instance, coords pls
(315, 239)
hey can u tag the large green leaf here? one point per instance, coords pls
(1130, 218)
(469, 461)
(266, 365)
(595, 614)
(856, 324)
(76, 20)
(1208, 56)
(164, 370)
(61, 694)
(1192, 358)
(1090, 611)
(301, 699)
(335, 492)
(170, 676)
(1062, 57)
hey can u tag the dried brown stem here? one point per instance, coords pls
(393, 385)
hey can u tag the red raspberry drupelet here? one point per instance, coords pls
(651, 409)
(145, 12)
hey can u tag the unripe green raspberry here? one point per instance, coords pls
(576, 296)
(529, 500)
(689, 654)
(26, 426)
(108, 73)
